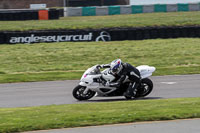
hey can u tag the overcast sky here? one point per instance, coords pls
(144, 2)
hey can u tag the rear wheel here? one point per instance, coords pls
(145, 88)
(79, 95)
(128, 98)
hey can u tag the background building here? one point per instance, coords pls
(24, 4)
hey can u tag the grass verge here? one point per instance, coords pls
(62, 61)
(52, 76)
(96, 22)
(43, 76)
(64, 116)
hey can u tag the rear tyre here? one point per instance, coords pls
(78, 93)
(145, 89)
(128, 98)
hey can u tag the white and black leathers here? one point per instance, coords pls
(133, 75)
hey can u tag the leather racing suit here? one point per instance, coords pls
(133, 75)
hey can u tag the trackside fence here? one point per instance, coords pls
(129, 9)
(111, 34)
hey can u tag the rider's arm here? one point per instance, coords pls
(119, 81)
(105, 65)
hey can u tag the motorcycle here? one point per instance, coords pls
(94, 81)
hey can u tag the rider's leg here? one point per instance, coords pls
(132, 89)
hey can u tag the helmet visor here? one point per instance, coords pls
(115, 70)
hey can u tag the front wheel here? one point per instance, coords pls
(79, 95)
(145, 89)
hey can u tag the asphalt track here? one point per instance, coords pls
(60, 92)
(176, 126)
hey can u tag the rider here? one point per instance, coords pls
(120, 70)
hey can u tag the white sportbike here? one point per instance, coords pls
(95, 82)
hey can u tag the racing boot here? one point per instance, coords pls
(132, 90)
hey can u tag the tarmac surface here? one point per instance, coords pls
(175, 126)
(60, 92)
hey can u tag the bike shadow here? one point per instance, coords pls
(121, 99)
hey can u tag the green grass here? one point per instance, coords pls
(43, 76)
(60, 61)
(65, 116)
(96, 22)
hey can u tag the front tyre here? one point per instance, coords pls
(145, 89)
(79, 95)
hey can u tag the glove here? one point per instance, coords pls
(99, 66)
